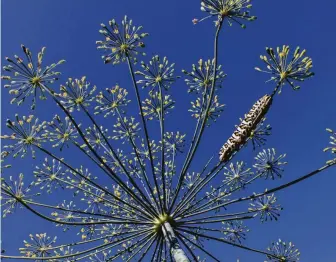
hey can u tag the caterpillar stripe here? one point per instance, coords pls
(243, 131)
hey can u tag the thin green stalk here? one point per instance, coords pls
(139, 160)
(187, 247)
(218, 216)
(229, 243)
(112, 175)
(117, 158)
(93, 183)
(267, 192)
(197, 188)
(199, 247)
(145, 128)
(156, 247)
(74, 211)
(149, 246)
(188, 192)
(162, 147)
(214, 221)
(218, 197)
(212, 91)
(98, 196)
(150, 237)
(139, 241)
(110, 245)
(22, 202)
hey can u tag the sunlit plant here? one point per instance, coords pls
(152, 209)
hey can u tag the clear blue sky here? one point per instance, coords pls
(69, 30)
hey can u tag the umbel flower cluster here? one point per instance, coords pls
(136, 194)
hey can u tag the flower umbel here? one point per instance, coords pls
(49, 174)
(29, 77)
(111, 101)
(257, 136)
(198, 109)
(125, 129)
(236, 176)
(157, 72)
(266, 207)
(268, 165)
(152, 106)
(234, 11)
(95, 138)
(121, 42)
(284, 70)
(235, 231)
(190, 179)
(61, 132)
(202, 75)
(26, 134)
(15, 188)
(40, 245)
(66, 216)
(76, 93)
(174, 142)
(284, 252)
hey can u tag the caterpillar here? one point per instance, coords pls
(247, 125)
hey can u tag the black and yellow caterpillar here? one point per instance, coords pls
(244, 130)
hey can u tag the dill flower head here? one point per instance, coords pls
(283, 252)
(285, 69)
(258, 135)
(60, 132)
(95, 138)
(234, 11)
(152, 106)
(237, 176)
(174, 142)
(126, 129)
(112, 101)
(121, 42)
(29, 77)
(26, 135)
(268, 164)
(49, 174)
(157, 72)
(39, 245)
(76, 93)
(202, 76)
(190, 179)
(266, 207)
(16, 188)
(198, 109)
(234, 231)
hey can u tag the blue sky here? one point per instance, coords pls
(69, 30)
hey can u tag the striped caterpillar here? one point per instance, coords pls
(243, 131)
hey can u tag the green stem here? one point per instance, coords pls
(212, 91)
(22, 202)
(229, 243)
(139, 160)
(267, 192)
(162, 147)
(93, 183)
(145, 127)
(117, 158)
(111, 174)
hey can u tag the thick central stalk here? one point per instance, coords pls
(175, 249)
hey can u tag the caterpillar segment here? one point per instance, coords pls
(244, 130)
